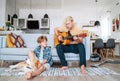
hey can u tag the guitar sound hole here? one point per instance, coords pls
(60, 42)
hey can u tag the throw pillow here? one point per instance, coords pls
(14, 41)
(9, 42)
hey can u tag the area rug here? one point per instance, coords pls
(68, 72)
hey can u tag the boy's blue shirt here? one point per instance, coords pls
(46, 54)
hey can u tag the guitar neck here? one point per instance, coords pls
(66, 38)
(70, 37)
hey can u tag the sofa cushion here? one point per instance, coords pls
(8, 41)
(14, 40)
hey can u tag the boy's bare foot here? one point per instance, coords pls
(64, 68)
(83, 71)
(28, 75)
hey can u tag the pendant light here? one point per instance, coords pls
(46, 15)
(15, 15)
(97, 23)
(30, 15)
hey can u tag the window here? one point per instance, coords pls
(105, 27)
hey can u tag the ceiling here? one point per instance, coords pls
(102, 5)
(38, 4)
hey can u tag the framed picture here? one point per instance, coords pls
(19, 23)
(117, 23)
(92, 22)
(45, 23)
(15, 22)
(113, 21)
(22, 23)
(113, 28)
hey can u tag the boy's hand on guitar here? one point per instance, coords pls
(60, 38)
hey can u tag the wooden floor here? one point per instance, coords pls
(115, 67)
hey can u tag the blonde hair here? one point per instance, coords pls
(41, 39)
(68, 18)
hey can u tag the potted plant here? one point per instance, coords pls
(8, 24)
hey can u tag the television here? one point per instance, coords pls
(33, 24)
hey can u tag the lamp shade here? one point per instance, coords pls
(15, 16)
(30, 16)
(97, 23)
(46, 16)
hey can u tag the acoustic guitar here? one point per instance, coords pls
(66, 38)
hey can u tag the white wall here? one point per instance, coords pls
(10, 8)
(6, 7)
(115, 12)
(82, 11)
(57, 16)
(54, 15)
(82, 15)
(2, 12)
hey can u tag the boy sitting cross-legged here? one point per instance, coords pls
(42, 53)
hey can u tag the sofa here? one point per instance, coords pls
(20, 54)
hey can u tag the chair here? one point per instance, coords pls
(110, 45)
(99, 46)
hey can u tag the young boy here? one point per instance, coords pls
(41, 52)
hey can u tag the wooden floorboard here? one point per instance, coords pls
(63, 78)
(115, 67)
